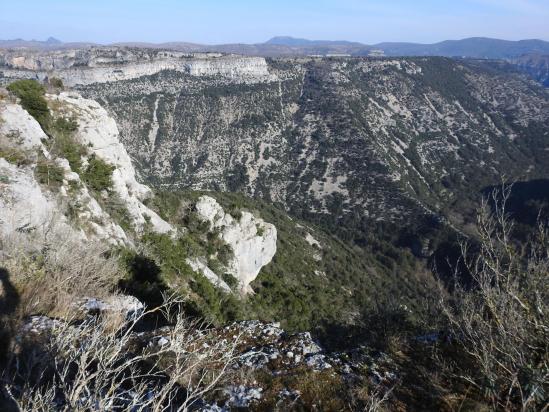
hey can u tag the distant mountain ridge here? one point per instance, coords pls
(293, 41)
(50, 43)
(474, 47)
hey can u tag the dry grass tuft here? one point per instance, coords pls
(51, 268)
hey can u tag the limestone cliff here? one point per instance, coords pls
(360, 139)
(28, 204)
(99, 65)
(99, 133)
(252, 240)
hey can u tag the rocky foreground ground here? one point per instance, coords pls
(269, 368)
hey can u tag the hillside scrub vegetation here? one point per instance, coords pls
(498, 317)
(31, 93)
(304, 287)
(98, 174)
(490, 348)
(77, 363)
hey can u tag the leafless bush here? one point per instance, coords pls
(377, 399)
(500, 318)
(52, 266)
(92, 366)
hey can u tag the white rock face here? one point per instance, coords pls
(198, 266)
(252, 240)
(233, 67)
(99, 133)
(26, 205)
(82, 67)
(23, 204)
(312, 241)
(20, 128)
(124, 304)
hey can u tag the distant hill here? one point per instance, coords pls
(474, 47)
(296, 42)
(51, 43)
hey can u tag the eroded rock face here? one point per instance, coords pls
(198, 266)
(101, 65)
(387, 139)
(99, 133)
(25, 204)
(252, 240)
(124, 304)
(19, 129)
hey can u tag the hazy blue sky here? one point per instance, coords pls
(250, 21)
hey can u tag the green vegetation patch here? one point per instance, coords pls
(63, 143)
(15, 156)
(49, 173)
(31, 93)
(117, 210)
(98, 174)
(56, 83)
(165, 263)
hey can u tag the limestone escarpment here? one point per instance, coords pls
(99, 133)
(369, 139)
(252, 240)
(100, 65)
(27, 204)
(382, 139)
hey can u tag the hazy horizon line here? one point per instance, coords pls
(265, 41)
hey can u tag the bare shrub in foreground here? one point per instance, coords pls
(51, 267)
(93, 366)
(377, 399)
(500, 320)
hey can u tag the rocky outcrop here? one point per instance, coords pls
(25, 204)
(101, 65)
(269, 365)
(252, 240)
(98, 132)
(28, 205)
(198, 266)
(124, 305)
(22, 202)
(18, 129)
